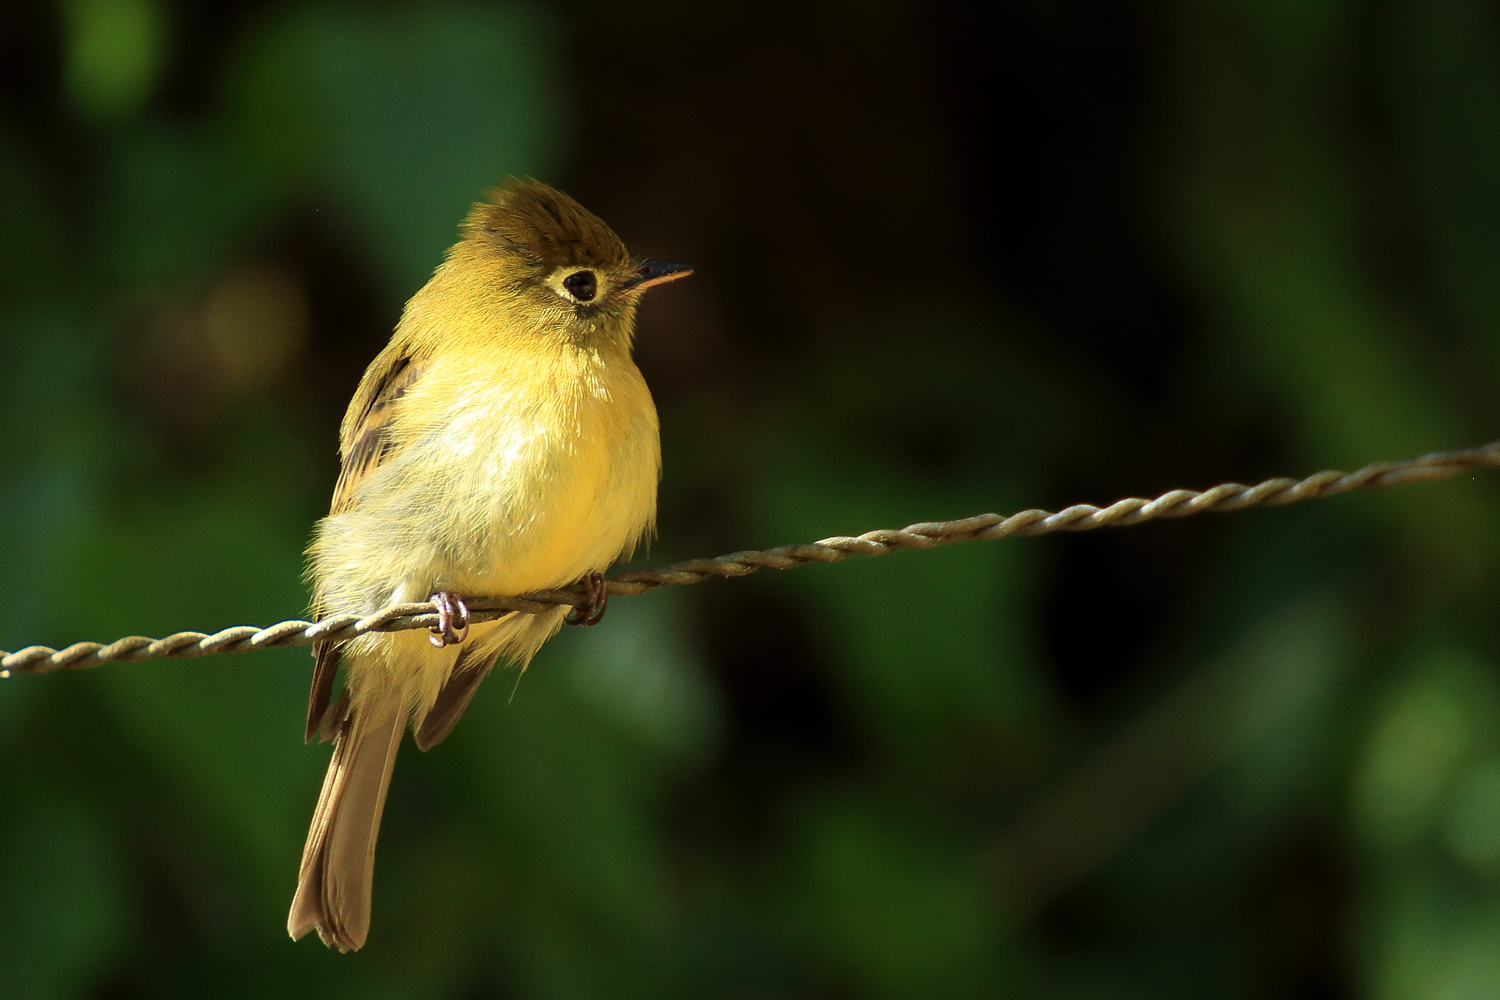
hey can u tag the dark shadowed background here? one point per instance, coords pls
(952, 257)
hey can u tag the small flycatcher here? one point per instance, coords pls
(503, 442)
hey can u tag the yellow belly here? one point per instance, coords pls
(497, 487)
(575, 496)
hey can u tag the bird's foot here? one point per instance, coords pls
(591, 613)
(450, 608)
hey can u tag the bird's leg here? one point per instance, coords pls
(591, 613)
(443, 633)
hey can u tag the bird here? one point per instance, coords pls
(502, 442)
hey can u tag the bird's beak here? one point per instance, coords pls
(656, 272)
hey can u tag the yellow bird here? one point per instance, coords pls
(503, 442)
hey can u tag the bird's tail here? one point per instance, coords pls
(333, 887)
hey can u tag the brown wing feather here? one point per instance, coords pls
(325, 666)
(366, 444)
(454, 697)
(367, 441)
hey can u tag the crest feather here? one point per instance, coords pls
(543, 227)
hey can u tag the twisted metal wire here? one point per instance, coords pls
(923, 535)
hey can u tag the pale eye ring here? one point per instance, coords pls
(582, 285)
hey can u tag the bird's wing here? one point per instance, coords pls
(471, 668)
(367, 442)
(366, 432)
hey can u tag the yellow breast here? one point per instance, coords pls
(540, 471)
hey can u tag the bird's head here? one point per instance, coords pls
(557, 262)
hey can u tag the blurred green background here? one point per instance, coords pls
(952, 256)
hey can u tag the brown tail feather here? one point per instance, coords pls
(333, 887)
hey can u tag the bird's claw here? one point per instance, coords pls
(597, 594)
(450, 608)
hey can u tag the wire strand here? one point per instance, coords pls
(923, 535)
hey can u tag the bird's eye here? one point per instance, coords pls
(581, 285)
